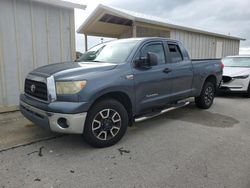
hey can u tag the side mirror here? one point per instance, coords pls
(147, 62)
(141, 62)
(152, 59)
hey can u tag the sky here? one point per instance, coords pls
(230, 17)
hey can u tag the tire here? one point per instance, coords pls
(248, 91)
(106, 123)
(206, 98)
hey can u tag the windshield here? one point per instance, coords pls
(91, 54)
(112, 52)
(236, 62)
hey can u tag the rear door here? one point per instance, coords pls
(182, 71)
(152, 85)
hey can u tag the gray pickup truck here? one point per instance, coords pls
(115, 84)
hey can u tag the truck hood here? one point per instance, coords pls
(235, 71)
(59, 69)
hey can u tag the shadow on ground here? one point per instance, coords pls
(231, 95)
(202, 117)
(192, 114)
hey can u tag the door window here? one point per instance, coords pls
(175, 53)
(157, 49)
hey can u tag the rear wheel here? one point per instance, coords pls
(106, 123)
(206, 98)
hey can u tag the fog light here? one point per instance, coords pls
(62, 122)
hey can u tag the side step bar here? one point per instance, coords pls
(149, 116)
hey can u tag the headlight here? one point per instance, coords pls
(241, 77)
(70, 87)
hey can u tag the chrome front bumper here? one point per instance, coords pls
(74, 122)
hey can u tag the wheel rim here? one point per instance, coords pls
(209, 95)
(106, 124)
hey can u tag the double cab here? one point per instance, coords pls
(115, 84)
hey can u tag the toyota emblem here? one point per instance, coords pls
(33, 88)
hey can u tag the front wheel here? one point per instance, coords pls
(106, 123)
(206, 98)
(248, 91)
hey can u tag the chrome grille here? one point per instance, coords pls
(36, 89)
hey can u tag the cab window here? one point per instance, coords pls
(157, 49)
(175, 53)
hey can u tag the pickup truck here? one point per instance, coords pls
(116, 84)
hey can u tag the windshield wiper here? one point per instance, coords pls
(96, 61)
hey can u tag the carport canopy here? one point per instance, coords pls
(112, 22)
(106, 22)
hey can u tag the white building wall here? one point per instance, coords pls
(31, 35)
(202, 46)
(142, 31)
(230, 47)
(127, 34)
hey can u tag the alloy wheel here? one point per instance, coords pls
(106, 124)
(209, 95)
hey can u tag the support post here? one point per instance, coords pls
(72, 32)
(134, 30)
(86, 42)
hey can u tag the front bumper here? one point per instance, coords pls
(235, 85)
(74, 123)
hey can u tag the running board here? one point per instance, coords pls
(149, 116)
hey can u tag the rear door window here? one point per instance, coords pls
(175, 53)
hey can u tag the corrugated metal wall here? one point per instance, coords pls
(151, 32)
(126, 34)
(31, 35)
(204, 46)
(199, 46)
(230, 47)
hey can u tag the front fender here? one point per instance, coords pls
(126, 91)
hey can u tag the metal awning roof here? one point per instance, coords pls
(62, 3)
(94, 25)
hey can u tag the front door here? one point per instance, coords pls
(153, 84)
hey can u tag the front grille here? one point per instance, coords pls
(226, 79)
(39, 89)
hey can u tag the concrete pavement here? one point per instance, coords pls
(15, 130)
(184, 148)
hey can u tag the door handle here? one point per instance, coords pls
(167, 70)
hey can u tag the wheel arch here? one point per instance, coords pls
(120, 96)
(201, 100)
(211, 78)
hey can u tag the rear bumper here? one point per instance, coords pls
(73, 123)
